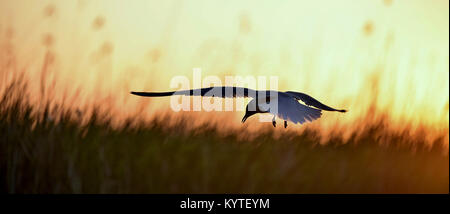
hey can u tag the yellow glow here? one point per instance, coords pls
(375, 58)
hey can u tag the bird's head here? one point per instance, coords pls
(248, 113)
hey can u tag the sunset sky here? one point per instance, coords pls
(348, 54)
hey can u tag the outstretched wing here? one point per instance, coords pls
(223, 91)
(310, 101)
(290, 109)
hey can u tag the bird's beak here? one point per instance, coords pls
(244, 118)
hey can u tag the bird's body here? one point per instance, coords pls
(283, 105)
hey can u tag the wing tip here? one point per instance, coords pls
(137, 93)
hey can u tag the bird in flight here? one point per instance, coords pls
(284, 105)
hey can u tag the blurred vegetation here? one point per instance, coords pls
(44, 153)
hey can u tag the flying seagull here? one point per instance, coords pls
(284, 105)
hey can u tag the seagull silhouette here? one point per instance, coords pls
(284, 105)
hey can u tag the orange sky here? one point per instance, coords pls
(348, 54)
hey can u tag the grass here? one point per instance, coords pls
(39, 154)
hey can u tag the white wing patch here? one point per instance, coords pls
(290, 109)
